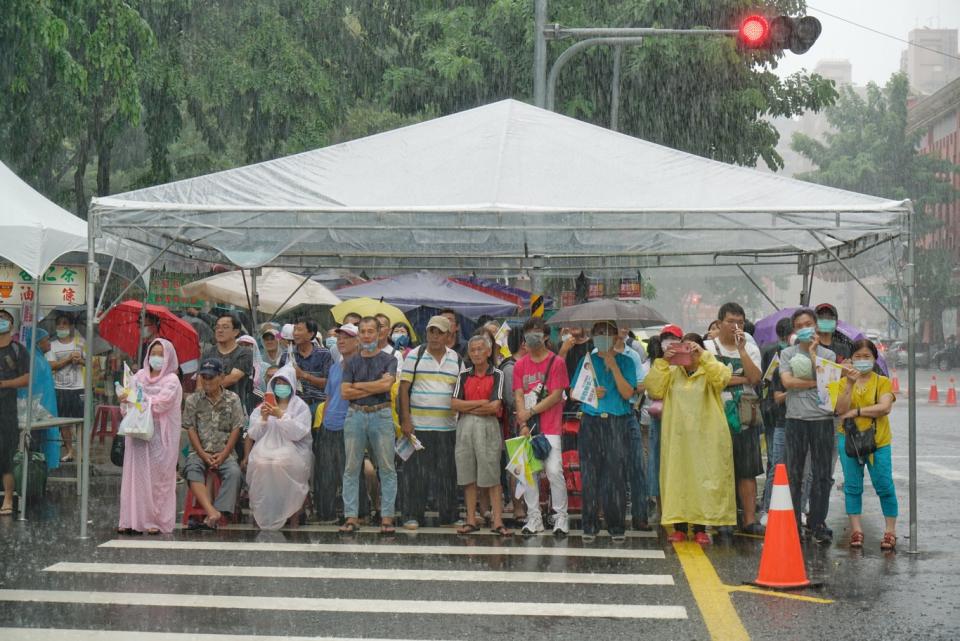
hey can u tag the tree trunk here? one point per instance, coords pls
(104, 149)
(79, 191)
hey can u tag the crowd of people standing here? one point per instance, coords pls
(299, 420)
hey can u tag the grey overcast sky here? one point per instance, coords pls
(874, 57)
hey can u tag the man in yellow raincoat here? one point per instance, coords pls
(696, 450)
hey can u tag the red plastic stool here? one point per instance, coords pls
(106, 421)
(192, 509)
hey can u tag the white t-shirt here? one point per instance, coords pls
(752, 351)
(68, 376)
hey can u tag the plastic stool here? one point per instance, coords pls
(192, 509)
(106, 421)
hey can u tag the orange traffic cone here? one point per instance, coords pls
(781, 564)
(952, 394)
(895, 382)
(934, 394)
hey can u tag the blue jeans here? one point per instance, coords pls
(653, 458)
(776, 452)
(373, 431)
(638, 485)
(881, 475)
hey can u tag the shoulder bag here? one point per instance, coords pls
(860, 444)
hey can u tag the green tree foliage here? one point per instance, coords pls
(156, 90)
(870, 151)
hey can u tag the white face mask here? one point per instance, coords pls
(156, 363)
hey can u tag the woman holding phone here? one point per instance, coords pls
(696, 450)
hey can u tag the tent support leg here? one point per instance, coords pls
(757, 285)
(910, 277)
(806, 270)
(850, 273)
(103, 290)
(255, 298)
(92, 278)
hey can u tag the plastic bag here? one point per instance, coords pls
(138, 420)
(40, 412)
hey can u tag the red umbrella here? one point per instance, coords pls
(121, 327)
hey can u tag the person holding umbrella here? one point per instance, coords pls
(602, 432)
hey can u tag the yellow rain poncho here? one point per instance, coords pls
(696, 450)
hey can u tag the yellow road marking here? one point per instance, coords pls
(712, 596)
(780, 595)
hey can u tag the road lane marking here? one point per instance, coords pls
(945, 473)
(350, 548)
(32, 634)
(780, 595)
(377, 574)
(384, 606)
(712, 596)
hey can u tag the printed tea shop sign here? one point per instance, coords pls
(60, 285)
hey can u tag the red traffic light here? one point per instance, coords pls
(754, 31)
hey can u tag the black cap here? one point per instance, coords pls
(828, 308)
(211, 367)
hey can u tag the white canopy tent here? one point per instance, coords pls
(276, 290)
(503, 186)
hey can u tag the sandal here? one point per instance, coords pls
(6, 511)
(387, 528)
(349, 528)
(502, 531)
(468, 528)
(856, 539)
(889, 541)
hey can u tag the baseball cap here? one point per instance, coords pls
(349, 329)
(286, 333)
(270, 331)
(440, 322)
(826, 307)
(211, 367)
(672, 330)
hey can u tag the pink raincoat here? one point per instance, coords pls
(281, 459)
(148, 490)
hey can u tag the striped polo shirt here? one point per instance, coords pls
(432, 389)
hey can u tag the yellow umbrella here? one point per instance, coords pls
(366, 306)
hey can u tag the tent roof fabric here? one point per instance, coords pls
(422, 289)
(502, 181)
(35, 232)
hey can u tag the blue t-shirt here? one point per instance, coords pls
(612, 402)
(317, 363)
(335, 411)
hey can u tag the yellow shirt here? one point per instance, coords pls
(866, 395)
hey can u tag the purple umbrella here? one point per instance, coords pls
(766, 330)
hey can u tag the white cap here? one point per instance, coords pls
(286, 332)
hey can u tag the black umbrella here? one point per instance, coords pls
(625, 314)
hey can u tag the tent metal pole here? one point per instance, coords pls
(142, 272)
(93, 272)
(103, 290)
(850, 273)
(910, 277)
(25, 437)
(254, 299)
(759, 289)
(293, 293)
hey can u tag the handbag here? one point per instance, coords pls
(860, 444)
(36, 472)
(748, 410)
(117, 448)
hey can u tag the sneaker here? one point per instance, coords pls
(560, 526)
(823, 535)
(532, 526)
(702, 538)
(677, 537)
(618, 538)
(411, 524)
(588, 538)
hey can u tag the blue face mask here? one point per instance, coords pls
(369, 347)
(282, 390)
(863, 365)
(4, 326)
(826, 326)
(783, 344)
(806, 334)
(330, 342)
(400, 340)
(603, 343)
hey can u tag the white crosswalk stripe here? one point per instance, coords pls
(312, 575)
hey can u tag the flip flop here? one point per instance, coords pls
(502, 531)
(387, 528)
(6, 511)
(468, 528)
(349, 528)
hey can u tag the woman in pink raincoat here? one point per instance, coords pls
(148, 489)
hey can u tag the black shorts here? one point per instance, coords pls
(746, 454)
(70, 403)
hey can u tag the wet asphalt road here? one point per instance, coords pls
(875, 595)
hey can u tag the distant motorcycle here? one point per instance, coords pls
(947, 358)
